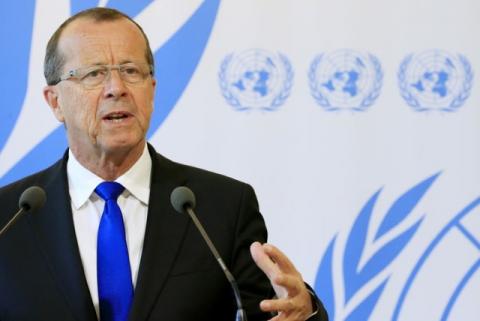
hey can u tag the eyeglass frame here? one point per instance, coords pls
(71, 74)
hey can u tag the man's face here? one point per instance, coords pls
(113, 117)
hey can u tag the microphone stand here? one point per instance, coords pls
(241, 315)
(12, 220)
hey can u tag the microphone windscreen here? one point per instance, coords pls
(32, 198)
(182, 197)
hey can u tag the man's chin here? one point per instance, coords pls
(117, 145)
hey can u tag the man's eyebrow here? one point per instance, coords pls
(93, 64)
(126, 61)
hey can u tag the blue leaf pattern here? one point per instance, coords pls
(324, 281)
(364, 309)
(177, 60)
(355, 246)
(386, 254)
(404, 206)
(356, 278)
(16, 58)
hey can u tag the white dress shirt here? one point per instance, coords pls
(87, 209)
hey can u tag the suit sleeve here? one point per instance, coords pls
(320, 314)
(253, 283)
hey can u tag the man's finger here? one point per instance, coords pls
(280, 258)
(290, 283)
(263, 261)
(277, 305)
(268, 267)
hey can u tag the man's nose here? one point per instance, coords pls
(114, 86)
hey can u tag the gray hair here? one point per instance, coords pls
(55, 60)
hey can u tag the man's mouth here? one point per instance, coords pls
(116, 116)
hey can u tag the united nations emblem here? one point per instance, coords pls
(255, 79)
(352, 291)
(435, 80)
(457, 271)
(353, 278)
(345, 80)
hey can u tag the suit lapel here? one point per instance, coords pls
(55, 231)
(163, 236)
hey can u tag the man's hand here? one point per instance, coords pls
(293, 302)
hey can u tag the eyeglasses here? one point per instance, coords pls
(95, 76)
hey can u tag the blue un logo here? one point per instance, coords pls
(435, 80)
(356, 270)
(255, 79)
(345, 80)
(452, 262)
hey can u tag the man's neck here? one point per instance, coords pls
(109, 165)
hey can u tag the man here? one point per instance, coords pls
(78, 258)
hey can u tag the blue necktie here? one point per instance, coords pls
(115, 288)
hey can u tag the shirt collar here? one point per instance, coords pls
(82, 182)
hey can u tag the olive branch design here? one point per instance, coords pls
(356, 276)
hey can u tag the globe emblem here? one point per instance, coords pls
(451, 264)
(255, 79)
(345, 79)
(435, 80)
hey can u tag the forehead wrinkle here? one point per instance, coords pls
(103, 48)
(94, 56)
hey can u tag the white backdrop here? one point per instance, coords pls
(319, 105)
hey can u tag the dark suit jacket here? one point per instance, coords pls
(41, 273)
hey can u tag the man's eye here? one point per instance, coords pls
(96, 73)
(130, 70)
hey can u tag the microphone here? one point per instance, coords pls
(183, 201)
(31, 199)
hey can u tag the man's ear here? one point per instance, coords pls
(50, 93)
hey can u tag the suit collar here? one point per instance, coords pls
(83, 182)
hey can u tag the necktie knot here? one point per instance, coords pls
(109, 190)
